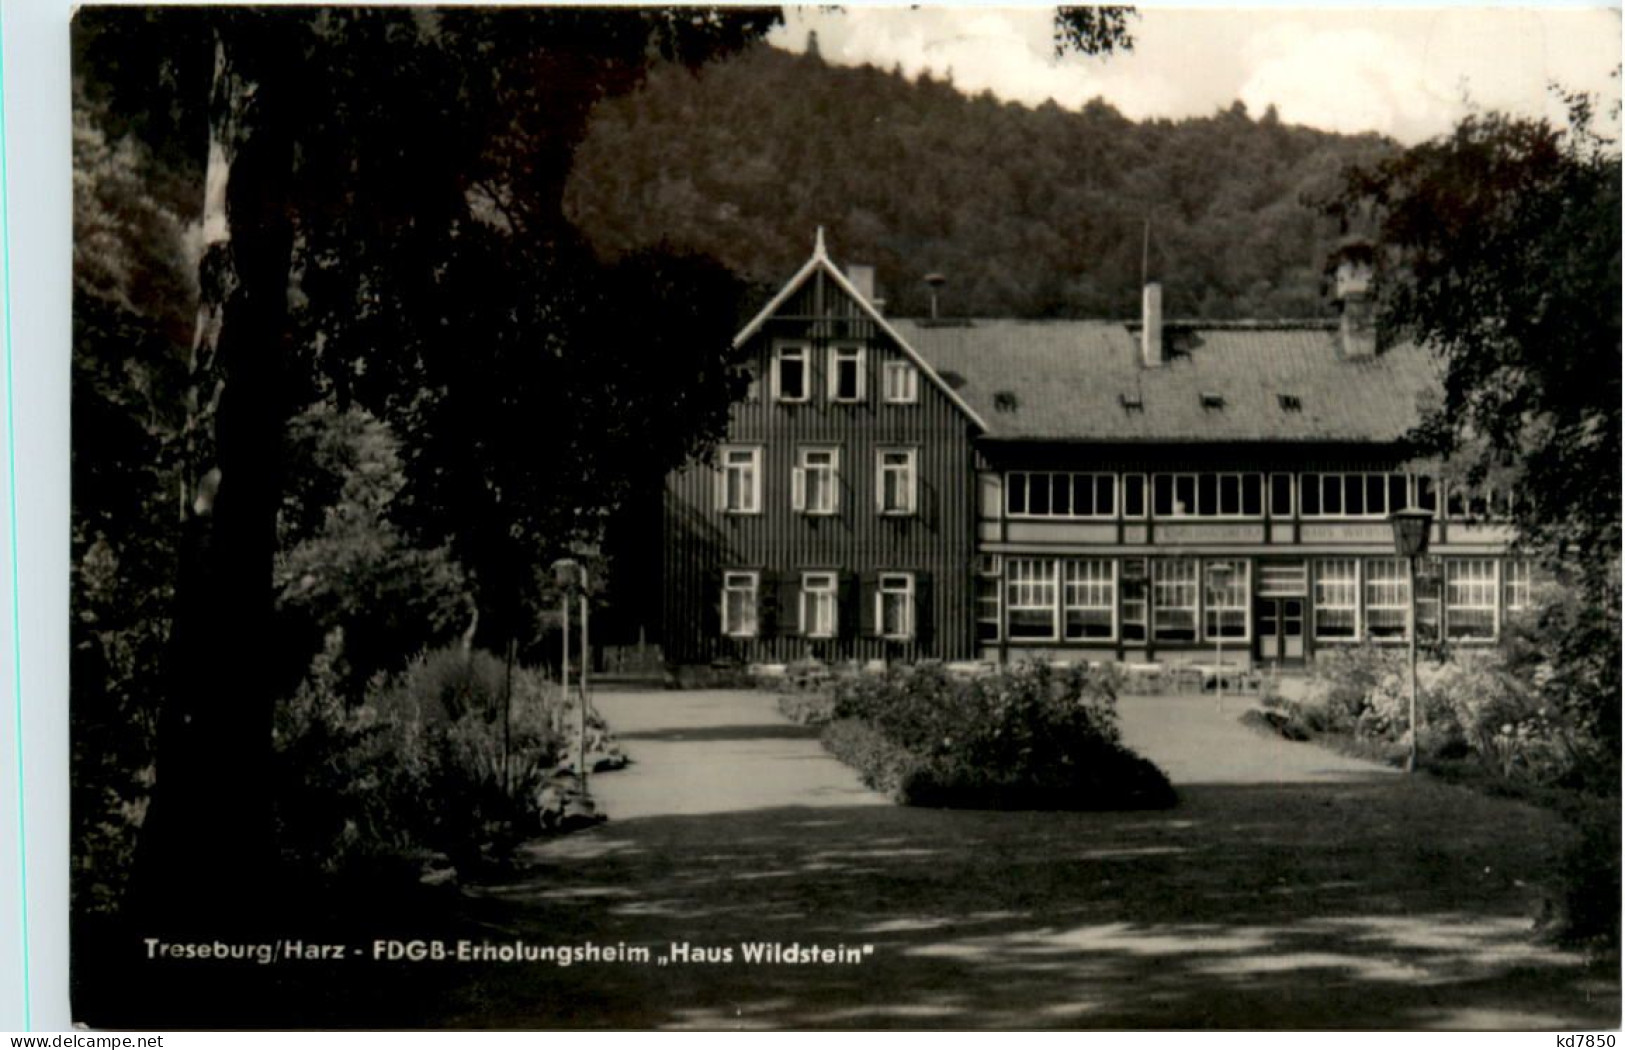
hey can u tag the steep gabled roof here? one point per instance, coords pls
(821, 261)
(1084, 381)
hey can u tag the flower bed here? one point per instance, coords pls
(1028, 737)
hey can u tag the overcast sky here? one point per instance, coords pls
(1402, 72)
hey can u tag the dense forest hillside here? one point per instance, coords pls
(1027, 212)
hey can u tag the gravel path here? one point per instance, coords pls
(1289, 889)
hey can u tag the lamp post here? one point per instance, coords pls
(1218, 577)
(571, 577)
(1411, 527)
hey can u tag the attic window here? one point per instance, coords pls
(1005, 401)
(1131, 402)
(1212, 401)
(1290, 402)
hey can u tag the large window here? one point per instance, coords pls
(739, 604)
(1479, 504)
(1351, 495)
(989, 568)
(790, 372)
(1387, 597)
(902, 383)
(896, 490)
(1029, 598)
(1337, 595)
(818, 615)
(1133, 586)
(1207, 495)
(1469, 597)
(1224, 606)
(1049, 495)
(815, 486)
(739, 484)
(1516, 583)
(1280, 495)
(846, 373)
(1089, 598)
(1133, 495)
(1174, 599)
(895, 605)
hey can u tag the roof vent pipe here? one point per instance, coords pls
(1151, 325)
(936, 281)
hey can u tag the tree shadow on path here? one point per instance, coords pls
(1389, 904)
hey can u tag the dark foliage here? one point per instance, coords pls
(1029, 212)
(1023, 738)
(1499, 246)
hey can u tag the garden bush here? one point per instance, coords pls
(1028, 737)
(416, 770)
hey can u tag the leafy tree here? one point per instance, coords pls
(1097, 30)
(1498, 246)
(356, 159)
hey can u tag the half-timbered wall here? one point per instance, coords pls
(857, 543)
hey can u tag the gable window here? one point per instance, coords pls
(894, 599)
(739, 604)
(846, 373)
(740, 483)
(818, 615)
(1089, 598)
(814, 484)
(790, 372)
(1337, 595)
(896, 490)
(1469, 597)
(1174, 599)
(902, 383)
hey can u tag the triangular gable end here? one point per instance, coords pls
(821, 261)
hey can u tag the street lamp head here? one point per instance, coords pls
(1411, 527)
(567, 572)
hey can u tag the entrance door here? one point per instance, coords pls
(1280, 629)
(1267, 623)
(1292, 629)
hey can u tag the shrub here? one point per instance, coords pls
(880, 764)
(1028, 737)
(418, 768)
(807, 707)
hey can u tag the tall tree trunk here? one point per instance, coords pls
(208, 847)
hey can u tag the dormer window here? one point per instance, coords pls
(846, 373)
(1211, 401)
(1005, 401)
(790, 372)
(1290, 402)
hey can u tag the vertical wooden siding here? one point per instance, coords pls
(936, 543)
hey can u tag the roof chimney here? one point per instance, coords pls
(936, 281)
(863, 279)
(1352, 290)
(1151, 326)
